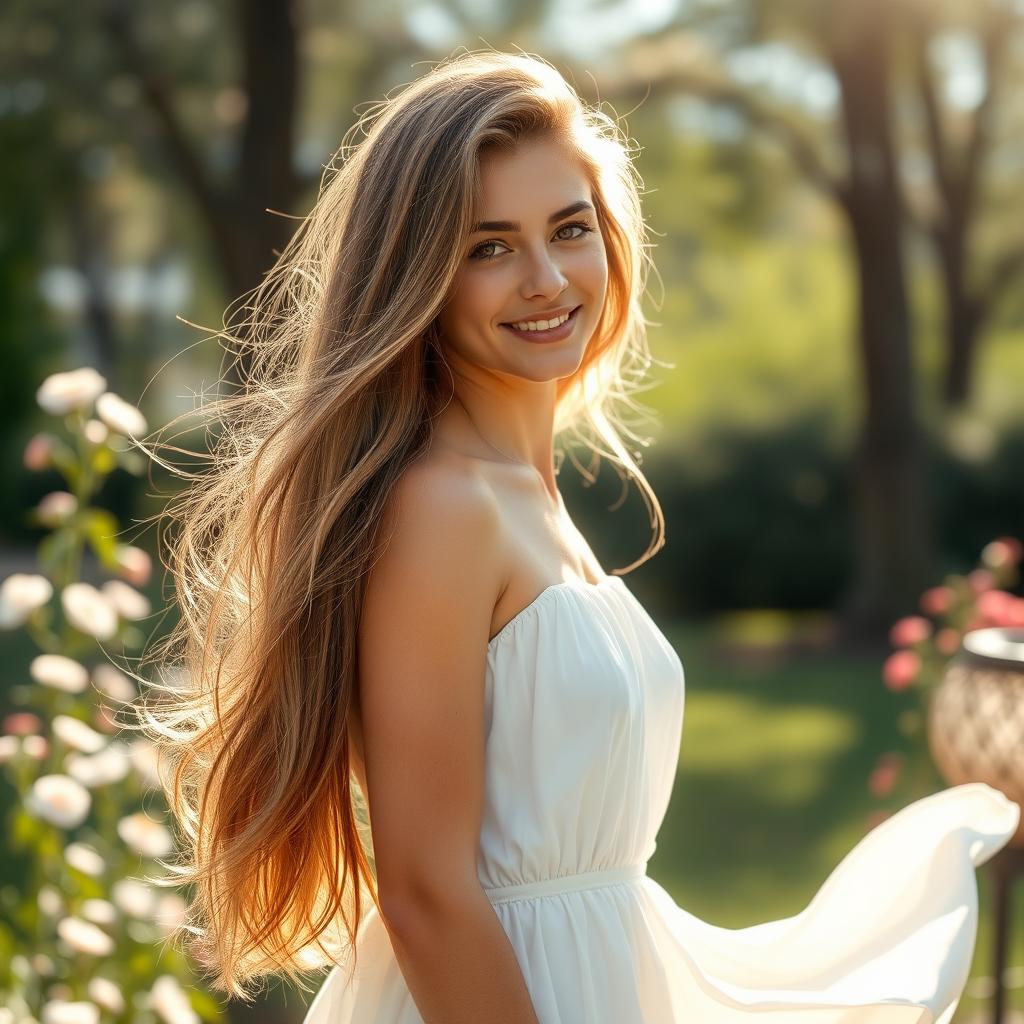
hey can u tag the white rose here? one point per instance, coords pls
(126, 600)
(51, 903)
(170, 1001)
(21, 594)
(110, 765)
(89, 611)
(119, 415)
(42, 965)
(59, 672)
(114, 683)
(145, 836)
(99, 911)
(56, 508)
(59, 800)
(35, 747)
(134, 564)
(132, 897)
(84, 858)
(107, 994)
(61, 393)
(84, 937)
(95, 431)
(76, 734)
(9, 747)
(60, 1011)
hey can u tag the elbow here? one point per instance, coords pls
(408, 908)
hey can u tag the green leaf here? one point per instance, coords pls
(25, 830)
(103, 460)
(101, 528)
(53, 550)
(66, 462)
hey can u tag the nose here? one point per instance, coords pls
(545, 278)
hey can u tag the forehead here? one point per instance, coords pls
(530, 181)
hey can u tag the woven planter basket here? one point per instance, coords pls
(976, 715)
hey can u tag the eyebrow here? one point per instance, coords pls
(514, 225)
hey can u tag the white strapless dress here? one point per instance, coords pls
(584, 710)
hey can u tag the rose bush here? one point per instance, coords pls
(924, 646)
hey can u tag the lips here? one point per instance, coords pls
(540, 316)
(549, 335)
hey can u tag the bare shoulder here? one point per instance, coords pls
(422, 649)
(442, 546)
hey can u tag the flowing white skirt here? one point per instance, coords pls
(887, 939)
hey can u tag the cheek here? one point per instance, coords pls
(474, 299)
(592, 270)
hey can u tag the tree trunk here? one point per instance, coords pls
(891, 521)
(265, 177)
(962, 328)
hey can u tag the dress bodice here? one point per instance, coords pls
(584, 709)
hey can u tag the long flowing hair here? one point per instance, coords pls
(271, 542)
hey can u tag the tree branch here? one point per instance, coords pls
(119, 22)
(801, 148)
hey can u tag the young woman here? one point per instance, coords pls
(387, 609)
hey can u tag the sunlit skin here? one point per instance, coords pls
(506, 384)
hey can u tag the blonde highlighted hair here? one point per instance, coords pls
(270, 545)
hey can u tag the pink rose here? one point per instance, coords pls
(133, 564)
(1015, 612)
(37, 452)
(947, 641)
(937, 600)
(901, 669)
(22, 723)
(1002, 551)
(909, 631)
(995, 605)
(981, 580)
(885, 775)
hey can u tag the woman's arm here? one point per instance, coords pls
(422, 658)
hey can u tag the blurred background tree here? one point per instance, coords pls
(889, 150)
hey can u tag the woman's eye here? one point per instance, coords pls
(584, 229)
(479, 252)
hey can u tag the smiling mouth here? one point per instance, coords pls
(546, 330)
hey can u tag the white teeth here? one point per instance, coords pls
(541, 325)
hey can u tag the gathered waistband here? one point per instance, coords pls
(566, 883)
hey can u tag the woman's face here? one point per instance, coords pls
(538, 255)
